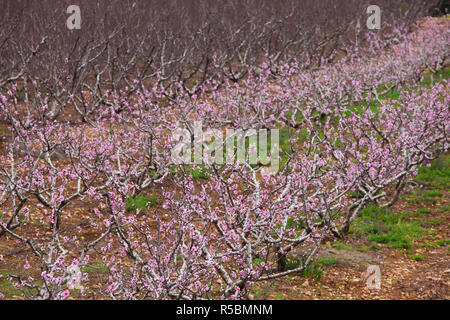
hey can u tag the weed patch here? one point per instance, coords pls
(381, 226)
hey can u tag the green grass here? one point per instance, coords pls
(295, 223)
(392, 94)
(443, 242)
(327, 261)
(293, 263)
(431, 222)
(286, 138)
(421, 211)
(414, 214)
(437, 175)
(357, 194)
(399, 236)
(257, 261)
(279, 296)
(429, 244)
(140, 203)
(385, 92)
(339, 245)
(417, 257)
(444, 74)
(314, 269)
(95, 267)
(421, 196)
(432, 193)
(8, 289)
(372, 246)
(382, 226)
(199, 172)
(428, 79)
(3, 131)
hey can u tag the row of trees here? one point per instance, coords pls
(125, 46)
